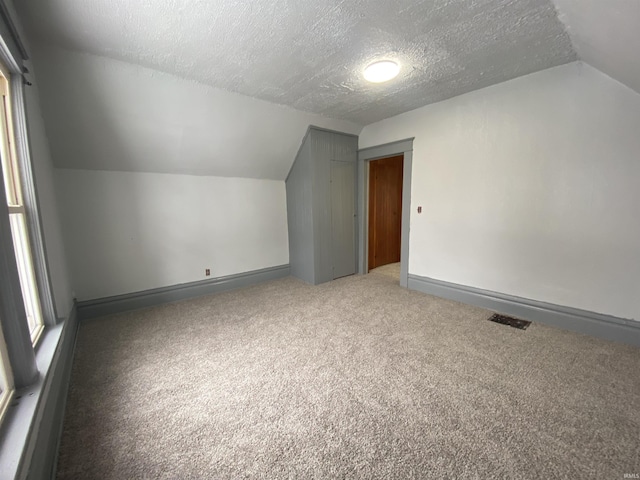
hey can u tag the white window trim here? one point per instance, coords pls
(30, 202)
(18, 214)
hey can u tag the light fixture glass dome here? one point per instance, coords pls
(381, 71)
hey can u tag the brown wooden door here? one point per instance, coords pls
(385, 210)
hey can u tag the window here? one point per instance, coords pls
(17, 213)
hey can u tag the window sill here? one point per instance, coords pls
(25, 412)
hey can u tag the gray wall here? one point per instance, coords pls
(309, 202)
(300, 216)
(326, 146)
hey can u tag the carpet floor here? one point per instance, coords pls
(355, 378)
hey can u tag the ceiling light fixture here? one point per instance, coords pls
(381, 71)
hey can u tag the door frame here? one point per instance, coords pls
(365, 155)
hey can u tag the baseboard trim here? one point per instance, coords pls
(148, 298)
(581, 321)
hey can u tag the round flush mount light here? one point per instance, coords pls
(381, 71)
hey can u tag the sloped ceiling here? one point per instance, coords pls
(606, 35)
(310, 54)
(103, 114)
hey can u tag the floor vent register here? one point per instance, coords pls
(512, 322)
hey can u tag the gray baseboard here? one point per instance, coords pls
(132, 301)
(581, 321)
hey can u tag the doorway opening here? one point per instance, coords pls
(385, 211)
(365, 157)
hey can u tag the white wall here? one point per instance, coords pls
(43, 173)
(128, 232)
(529, 188)
(103, 114)
(149, 173)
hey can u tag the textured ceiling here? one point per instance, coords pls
(606, 35)
(309, 54)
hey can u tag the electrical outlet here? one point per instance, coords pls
(207, 272)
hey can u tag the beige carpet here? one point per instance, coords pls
(357, 378)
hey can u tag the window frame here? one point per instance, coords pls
(18, 214)
(50, 315)
(7, 389)
(32, 367)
